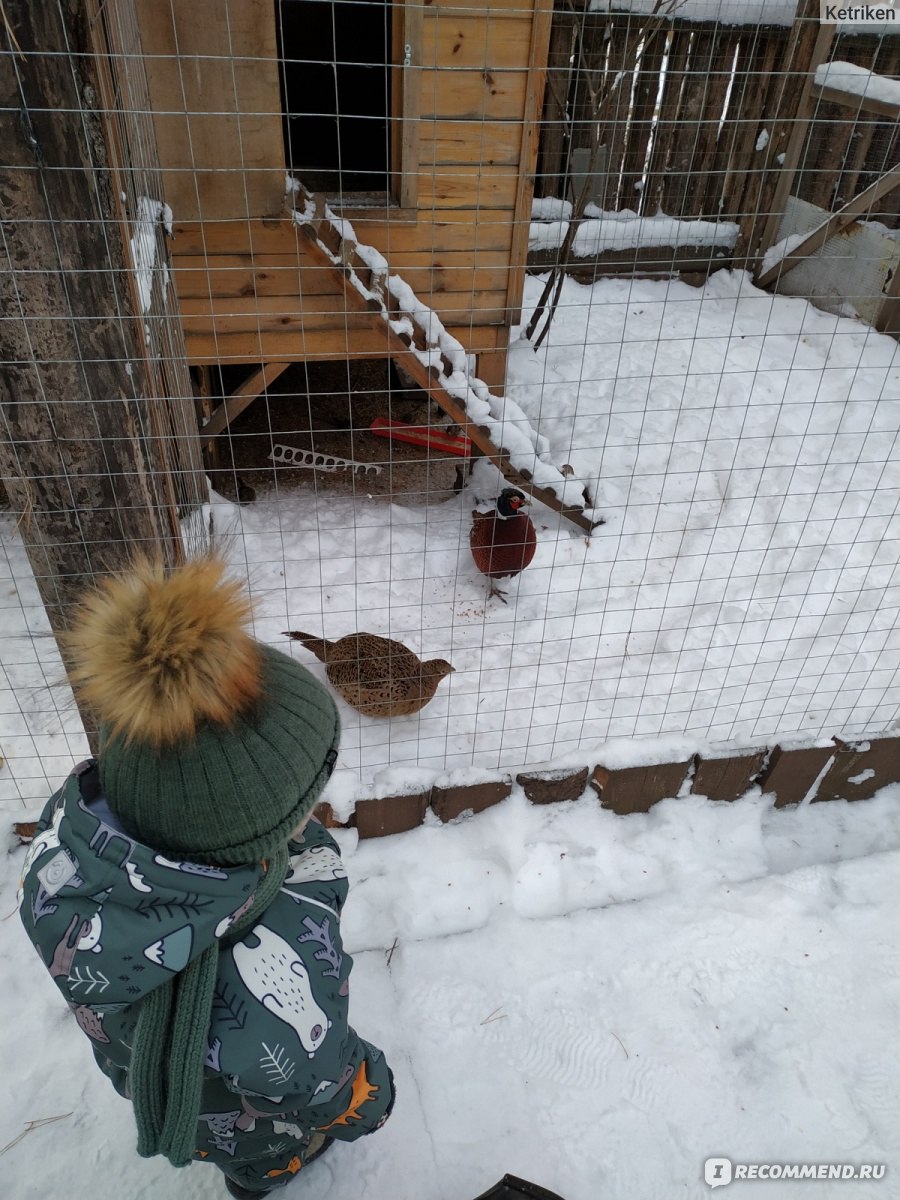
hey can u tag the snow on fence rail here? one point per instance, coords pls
(613, 243)
(625, 230)
(860, 81)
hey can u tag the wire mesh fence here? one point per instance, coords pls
(314, 280)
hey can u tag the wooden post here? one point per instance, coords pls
(242, 397)
(78, 455)
(528, 155)
(553, 149)
(852, 100)
(787, 126)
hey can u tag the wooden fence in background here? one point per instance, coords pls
(691, 118)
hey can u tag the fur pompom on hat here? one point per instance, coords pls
(212, 746)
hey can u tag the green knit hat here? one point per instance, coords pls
(211, 745)
(231, 793)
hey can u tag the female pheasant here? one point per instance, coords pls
(503, 542)
(375, 675)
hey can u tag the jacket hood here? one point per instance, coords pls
(113, 918)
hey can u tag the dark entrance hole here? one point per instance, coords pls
(335, 93)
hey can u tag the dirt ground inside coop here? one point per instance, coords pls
(324, 411)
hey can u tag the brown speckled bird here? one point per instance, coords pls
(376, 675)
(503, 542)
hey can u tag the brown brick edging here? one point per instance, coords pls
(857, 771)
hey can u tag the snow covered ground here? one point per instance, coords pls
(594, 1002)
(744, 450)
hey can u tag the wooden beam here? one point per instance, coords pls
(797, 137)
(241, 398)
(357, 340)
(531, 133)
(641, 262)
(407, 98)
(807, 49)
(551, 173)
(883, 108)
(427, 379)
(836, 222)
(204, 405)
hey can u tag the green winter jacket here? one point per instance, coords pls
(112, 919)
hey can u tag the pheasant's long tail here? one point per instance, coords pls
(317, 646)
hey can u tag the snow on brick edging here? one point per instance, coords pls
(790, 774)
(860, 769)
(551, 787)
(728, 778)
(450, 801)
(637, 789)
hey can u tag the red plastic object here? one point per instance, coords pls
(421, 435)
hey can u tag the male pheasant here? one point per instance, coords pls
(503, 542)
(376, 675)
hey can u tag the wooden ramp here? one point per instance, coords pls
(415, 337)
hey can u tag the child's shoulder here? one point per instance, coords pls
(314, 834)
(316, 870)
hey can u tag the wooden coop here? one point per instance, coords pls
(277, 122)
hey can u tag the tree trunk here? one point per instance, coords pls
(79, 453)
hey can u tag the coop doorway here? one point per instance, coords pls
(335, 65)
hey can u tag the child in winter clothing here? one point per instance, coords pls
(184, 900)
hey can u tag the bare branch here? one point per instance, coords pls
(600, 114)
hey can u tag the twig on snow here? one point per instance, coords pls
(621, 1043)
(30, 1125)
(390, 953)
(496, 1015)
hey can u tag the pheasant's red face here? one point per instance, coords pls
(515, 502)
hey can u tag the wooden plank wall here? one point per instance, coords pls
(247, 289)
(786, 775)
(213, 81)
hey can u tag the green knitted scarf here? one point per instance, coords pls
(170, 1041)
